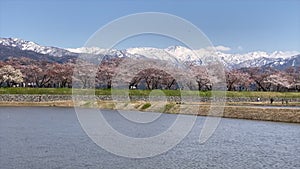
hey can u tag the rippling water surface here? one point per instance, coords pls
(32, 137)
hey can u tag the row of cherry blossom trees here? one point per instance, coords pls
(264, 79)
(32, 73)
(24, 72)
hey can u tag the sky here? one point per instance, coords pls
(241, 25)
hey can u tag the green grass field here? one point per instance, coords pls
(68, 91)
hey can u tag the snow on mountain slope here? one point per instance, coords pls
(282, 64)
(153, 53)
(100, 51)
(173, 54)
(91, 50)
(31, 46)
(184, 54)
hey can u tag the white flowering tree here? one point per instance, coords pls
(10, 75)
(106, 72)
(236, 79)
(201, 76)
(84, 74)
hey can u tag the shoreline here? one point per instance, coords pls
(249, 111)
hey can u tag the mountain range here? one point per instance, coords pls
(13, 47)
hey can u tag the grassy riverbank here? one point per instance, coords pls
(68, 91)
(243, 110)
(252, 111)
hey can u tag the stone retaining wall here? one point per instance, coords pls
(47, 98)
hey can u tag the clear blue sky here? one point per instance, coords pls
(266, 25)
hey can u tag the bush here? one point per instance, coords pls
(146, 106)
(168, 107)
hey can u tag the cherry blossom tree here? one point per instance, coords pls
(62, 74)
(10, 75)
(84, 74)
(2, 64)
(147, 73)
(201, 76)
(237, 79)
(260, 77)
(280, 81)
(106, 71)
(294, 72)
(154, 79)
(38, 75)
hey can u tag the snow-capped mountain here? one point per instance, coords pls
(282, 64)
(183, 54)
(257, 58)
(31, 46)
(100, 51)
(12, 47)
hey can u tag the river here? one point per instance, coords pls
(51, 137)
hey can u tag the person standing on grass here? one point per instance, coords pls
(271, 100)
